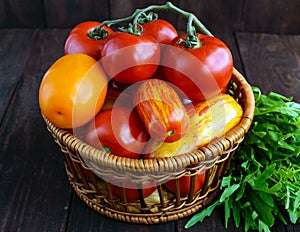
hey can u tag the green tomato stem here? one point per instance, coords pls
(98, 34)
(171, 132)
(146, 18)
(106, 149)
(192, 19)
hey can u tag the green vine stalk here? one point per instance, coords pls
(135, 27)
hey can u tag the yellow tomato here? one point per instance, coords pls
(72, 91)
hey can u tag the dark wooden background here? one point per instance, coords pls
(263, 35)
(270, 16)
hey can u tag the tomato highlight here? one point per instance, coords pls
(129, 58)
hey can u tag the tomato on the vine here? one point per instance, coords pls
(184, 184)
(118, 131)
(201, 72)
(80, 41)
(73, 90)
(129, 58)
(163, 31)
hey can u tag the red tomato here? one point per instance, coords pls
(131, 190)
(119, 131)
(161, 30)
(201, 72)
(161, 110)
(129, 58)
(184, 184)
(79, 41)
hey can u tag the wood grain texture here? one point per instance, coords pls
(96, 222)
(68, 13)
(272, 16)
(10, 72)
(272, 62)
(25, 13)
(34, 192)
(217, 15)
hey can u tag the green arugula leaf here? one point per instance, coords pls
(263, 227)
(236, 211)
(202, 215)
(228, 192)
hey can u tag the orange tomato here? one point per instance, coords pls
(73, 90)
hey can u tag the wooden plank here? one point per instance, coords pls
(34, 192)
(25, 13)
(214, 223)
(272, 16)
(14, 50)
(3, 20)
(94, 221)
(68, 13)
(272, 62)
(217, 15)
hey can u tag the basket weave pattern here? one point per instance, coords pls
(83, 163)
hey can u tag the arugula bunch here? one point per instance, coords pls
(263, 180)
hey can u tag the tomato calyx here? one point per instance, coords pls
(98, 33)
(171, 132)
(147, 18)
(192, 40)
(106, 149)
(134, 29)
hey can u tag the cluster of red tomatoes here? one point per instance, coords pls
(80, 88)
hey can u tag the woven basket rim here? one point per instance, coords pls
(171, 164)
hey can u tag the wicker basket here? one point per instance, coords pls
(83, 162)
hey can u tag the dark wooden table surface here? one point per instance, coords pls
(34, 191)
